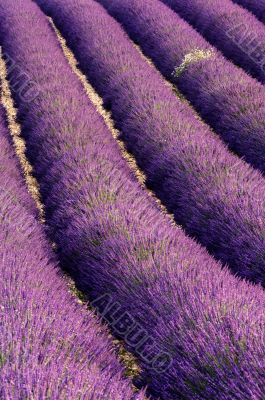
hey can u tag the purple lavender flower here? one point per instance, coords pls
(154, 285)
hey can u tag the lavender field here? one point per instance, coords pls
(132, 201)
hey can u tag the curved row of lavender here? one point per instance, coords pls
(50, 347)
(257, 7)
(233, 30)
(217, 197)
(226, 97)
(166, 295)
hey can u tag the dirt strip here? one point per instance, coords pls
(19, 142)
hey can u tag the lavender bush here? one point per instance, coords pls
(217, 197)
(157, 288)
(50, 347)
(257, 7)
(233, 30)
(225, 96)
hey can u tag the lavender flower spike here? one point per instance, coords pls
(197, 330)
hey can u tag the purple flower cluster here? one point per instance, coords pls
(50, 347)
(225, 96)
(233, 30)
(257, 7)
(214, 195)
(146, 278)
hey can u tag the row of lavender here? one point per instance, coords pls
(50, 347)
(217, 197)
(229, 27)
(225, 96)
(195, 328)
(257, 7)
